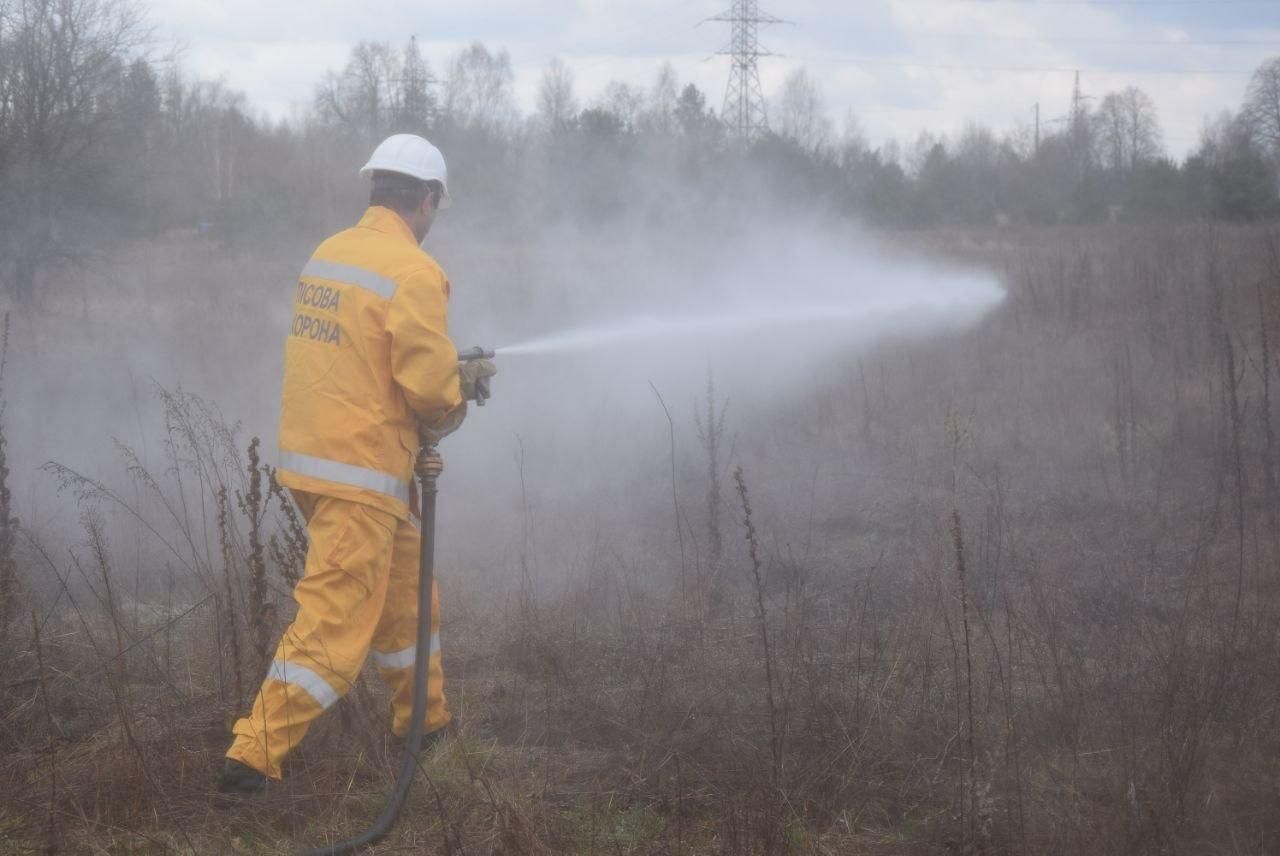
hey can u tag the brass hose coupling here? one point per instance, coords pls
(429, 465)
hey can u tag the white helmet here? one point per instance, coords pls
(410, 155)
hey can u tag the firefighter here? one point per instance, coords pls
(368, 364)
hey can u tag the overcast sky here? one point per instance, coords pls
(901, 66)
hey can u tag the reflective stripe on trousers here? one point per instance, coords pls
(348, 474)
(305, 679)
(358, 597)
(405, 657)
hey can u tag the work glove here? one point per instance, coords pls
(474, 376)
(431, 435)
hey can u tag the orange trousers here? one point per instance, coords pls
(358, 597)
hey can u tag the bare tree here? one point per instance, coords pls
(1128, 129)
(800, 114)
(918, 154)
(361, 98)
(218, 121)
(1111, 132)
(1262, 105)
(1225, 136)
(478, 88)
(415, 102)
(979, 151)
(624, 101)
(7, 82)
(557, 105)
(1145, 136)
(59, 62)
(660, 115)
(852, 137)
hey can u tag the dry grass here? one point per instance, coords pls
(1040, 616)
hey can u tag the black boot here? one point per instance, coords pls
(396, 744)
(240, 779)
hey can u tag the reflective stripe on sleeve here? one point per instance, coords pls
(304, 679)
(348, 474)
(405, 657)
(360, 277)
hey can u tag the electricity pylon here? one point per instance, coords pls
(744, 111)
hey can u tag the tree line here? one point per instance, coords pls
(102, 142)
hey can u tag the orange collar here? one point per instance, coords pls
(387, 222)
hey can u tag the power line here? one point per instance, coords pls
(1057, 40)
(1014, 69)
(744, 105)
(1204, 4)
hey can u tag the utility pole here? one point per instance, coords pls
(1079, 129)
(1037, 129)
(1077, 100)
(744, 109)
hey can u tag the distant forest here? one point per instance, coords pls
(101, 142)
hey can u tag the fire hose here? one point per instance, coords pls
(428, 468)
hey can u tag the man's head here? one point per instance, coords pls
(415, 201)
(409, 177)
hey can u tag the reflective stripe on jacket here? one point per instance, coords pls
(367, 354)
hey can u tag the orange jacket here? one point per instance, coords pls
(367, 356)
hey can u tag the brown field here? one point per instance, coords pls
(1019, 593)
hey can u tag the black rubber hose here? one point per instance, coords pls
(421, 664)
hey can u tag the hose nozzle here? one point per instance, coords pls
(482, 384)
(476, 353)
